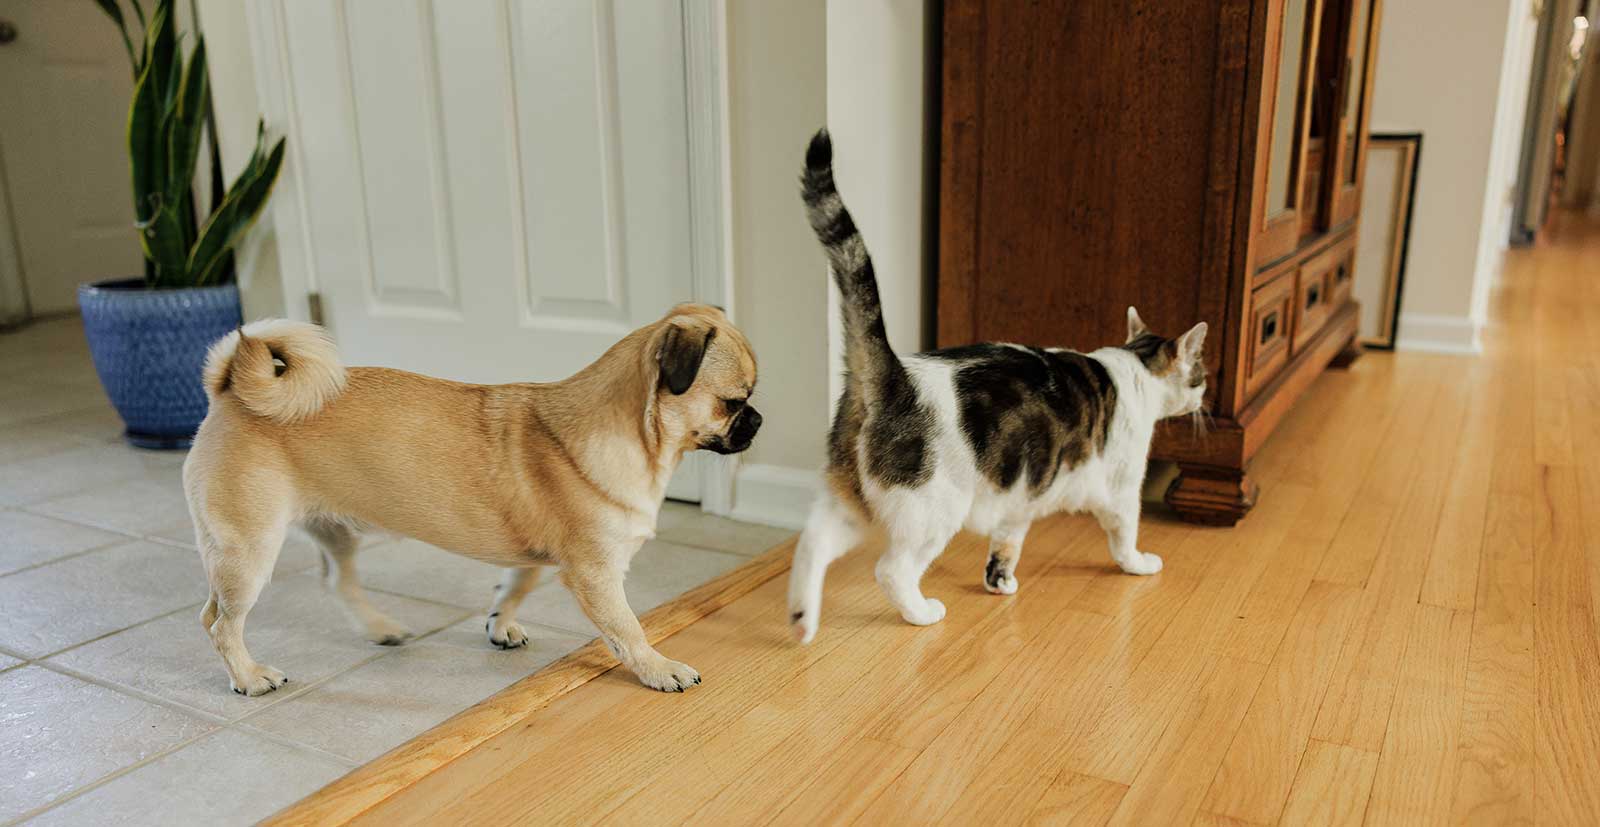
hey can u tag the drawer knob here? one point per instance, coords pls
(1269, 327)
(1313, 295)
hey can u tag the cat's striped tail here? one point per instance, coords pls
(869, 359)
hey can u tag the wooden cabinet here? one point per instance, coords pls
(1199, 159)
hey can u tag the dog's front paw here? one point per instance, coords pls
(1141, 563)
(930, 612)
(506, 634)
(668, 675)
(258, 680)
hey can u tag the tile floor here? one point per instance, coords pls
(113, 706)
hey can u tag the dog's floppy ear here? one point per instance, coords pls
(682, 350)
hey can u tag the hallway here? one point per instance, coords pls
(1404, 631)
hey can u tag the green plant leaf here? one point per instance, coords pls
(238, 211)
(144, 129)
(114, 12)
(162, 239)
(161, 44)
(185, 126)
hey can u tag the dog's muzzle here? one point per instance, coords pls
(740, 434)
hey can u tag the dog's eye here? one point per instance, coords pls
(732, 406)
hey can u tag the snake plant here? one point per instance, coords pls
(170, 110)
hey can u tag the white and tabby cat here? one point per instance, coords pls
(990, 437)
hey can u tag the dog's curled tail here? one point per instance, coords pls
(280, 370)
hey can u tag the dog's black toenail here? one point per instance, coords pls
(795, 618)
(493, 615)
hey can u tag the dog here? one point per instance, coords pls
(568, 474)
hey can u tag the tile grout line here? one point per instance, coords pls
(111, 776)
(118, 630)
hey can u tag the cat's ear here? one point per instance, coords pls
(1189, 344)
(1136, 326)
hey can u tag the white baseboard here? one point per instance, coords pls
(774, 495)
(1439, 334)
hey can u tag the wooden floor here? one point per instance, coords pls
(1404, 631)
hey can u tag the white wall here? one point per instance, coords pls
(1451, 71)
(880, 102)
(233, 94)
(777, 96)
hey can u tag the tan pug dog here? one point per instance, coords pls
(569, 473)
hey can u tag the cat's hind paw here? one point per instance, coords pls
(1141, 563)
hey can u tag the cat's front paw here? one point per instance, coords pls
(928, 613)
(1141, 563)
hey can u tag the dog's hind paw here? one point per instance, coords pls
(259, 680)
(510, 635)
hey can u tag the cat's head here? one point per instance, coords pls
(1178, 364)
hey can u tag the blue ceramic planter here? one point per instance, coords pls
(148, 347)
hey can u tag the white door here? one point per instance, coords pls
(490, 191)
(65, 82)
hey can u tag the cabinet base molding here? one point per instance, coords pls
(1211, 496)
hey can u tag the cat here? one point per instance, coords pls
(989, 437)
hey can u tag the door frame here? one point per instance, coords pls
(710, 196)
(14, 307)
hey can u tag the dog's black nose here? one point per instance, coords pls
(754, 418)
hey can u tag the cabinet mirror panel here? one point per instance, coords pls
(1355, 86)
(1286, 110)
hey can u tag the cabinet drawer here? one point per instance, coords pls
(1318, 291)
(1341, 278)
(1271, 317)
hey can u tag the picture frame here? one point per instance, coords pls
(1388, 200)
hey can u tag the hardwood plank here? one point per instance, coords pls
(1129, 722)
(1074, 800)
(1416, 771)
(1118, 641)
(931, 784)
(1256, 773)
(1355, 547)
(1332, 786)
(1496, 757)
(397, 770)
(1335, 462)
(586, 739)
(1158, 657)
(1174, 779)
(1356, 708)
(1205, 819)
(1451, 580)
(799, 726)
(846, 784)
(1567, 656)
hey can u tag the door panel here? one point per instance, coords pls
(493, 192)
(67, 82)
